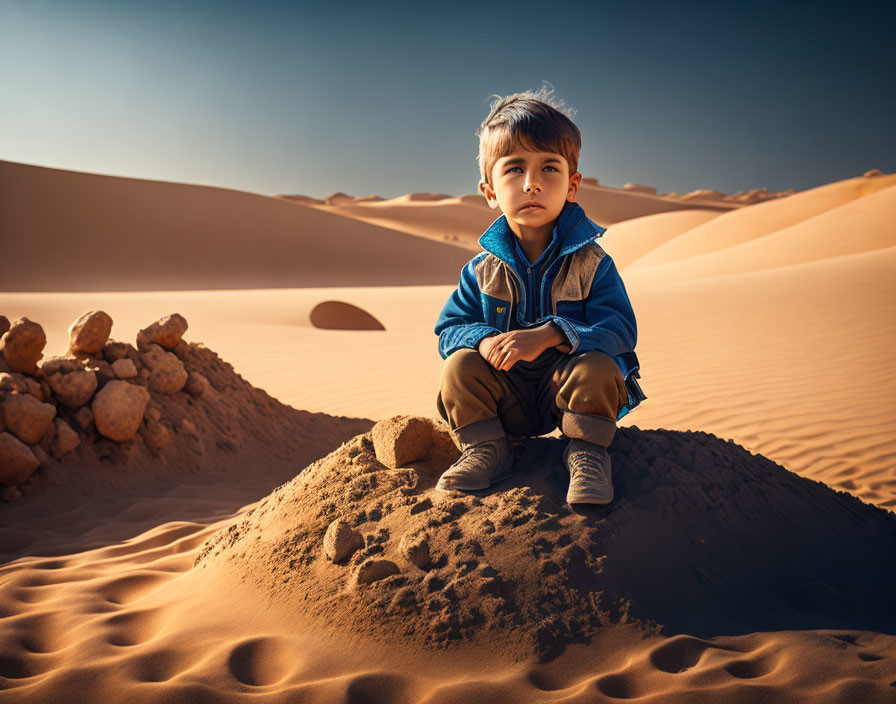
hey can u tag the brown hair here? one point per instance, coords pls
(534, 120)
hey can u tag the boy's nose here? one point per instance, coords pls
(531, 186)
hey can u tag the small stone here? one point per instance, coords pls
(73, 389)
(113, 351)
(415, 549)
(84, 418)
(153, 412)
(167, 374)
(197, 385)
(341, 541)
(188, 428)
(22, 345)
(374, 569)
(90, 332)
(124, 368)
(66, 439)
(17, 461)
(400, 440)
(11, 383)
(118, 410)
(61, 365)
(26, 417)
(166, 332)
(156, 435)
(34, 388)
(4, 325)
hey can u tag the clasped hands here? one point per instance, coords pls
(505, 349)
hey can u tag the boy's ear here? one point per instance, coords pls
(574, 182)
(489, 194)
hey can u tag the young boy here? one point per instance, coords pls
(540, 331)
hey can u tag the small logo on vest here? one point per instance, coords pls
(500, 309)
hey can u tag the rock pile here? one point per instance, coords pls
(101, 388)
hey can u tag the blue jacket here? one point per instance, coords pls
(580, 291)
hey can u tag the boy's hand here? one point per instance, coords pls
(504, 350)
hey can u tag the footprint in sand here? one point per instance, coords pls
(124, 590)
(619, 685)
(133, 627)
(679, 653)
(260, 662)
(378, 687)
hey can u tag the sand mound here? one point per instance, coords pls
(336, 315)
(703, 538)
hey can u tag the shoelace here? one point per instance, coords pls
(585, 467)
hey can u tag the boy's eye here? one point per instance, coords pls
(517, 168)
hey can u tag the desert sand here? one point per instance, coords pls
(747, 556)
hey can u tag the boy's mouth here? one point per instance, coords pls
(532, 206)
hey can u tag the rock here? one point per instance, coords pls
(48, 437)
(374, 569)
(341, 541)
(11, 383)
(23, 345)
(156, 435)
(415, 549)
(166, 332)
(17, 461)
(118, 409)
(34, 388)
(167, 374)
(153, 412)
(188, 428)
(84, 418)
(124, 368)
(66, 439)
(73, 389)
(113, 351)
(90, 332)
(42, 457)
(60, 365)
(401, 439)
(197, 385)
(873, 173)
(103, 371)
(4, 325)
(26, 417)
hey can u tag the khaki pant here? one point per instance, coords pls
(581, 393)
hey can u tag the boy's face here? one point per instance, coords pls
(524, 177)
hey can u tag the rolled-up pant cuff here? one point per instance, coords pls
(480, 431)
(588, 427)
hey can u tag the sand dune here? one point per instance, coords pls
(463, 219)
(85, 232)
(629, 240)
(716, 575)
(859, 226)
(750, 223)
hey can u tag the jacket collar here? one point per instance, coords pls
(574, 230)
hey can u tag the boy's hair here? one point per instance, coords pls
(532, 119)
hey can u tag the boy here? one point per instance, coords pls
(540, 331)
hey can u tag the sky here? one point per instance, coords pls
(365, 98)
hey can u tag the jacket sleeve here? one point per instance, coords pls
(461, 322)
(610, 324)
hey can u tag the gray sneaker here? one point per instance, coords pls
(590, 478)
(478, 467)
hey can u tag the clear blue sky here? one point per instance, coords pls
(278, 97)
